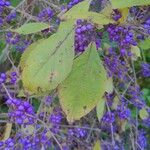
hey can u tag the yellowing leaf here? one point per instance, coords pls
(97, 146)
(100, 108)
(128, 3)
(124, 12)
(50, 61)
(84, 87)
(143, 113)
(31, 28)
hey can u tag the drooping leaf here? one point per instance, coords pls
(100, 108)
(31, 28)
(50, 62)
(128, 3)
(145, 45)
(97, 146)
(81, 11)
(84, 87)
(143, 113)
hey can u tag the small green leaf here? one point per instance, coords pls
(143, 113)
(50, 61)
(100, 109)
(109, 85)
(21, 93)
(128, 3)
(85, 85)
(31, 28)
(136, 51)
(97, 146)
(145, 45)
(14, 2)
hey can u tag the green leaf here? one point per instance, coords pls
(100, 109)
(50, 62)
(81, 11)
(145, 45)
(31, 28)
(143, 113)
(128, 3)
(97, 146)
(85, 85)
(14, 2)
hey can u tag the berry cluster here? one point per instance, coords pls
(142, 140)
(145, 69)
(56, 117)
(108, 117)
(6, 16)
(72, 3)
(115, 66)
(146, 25)
(10, 17)
(116, 15)
(123, 36)
(84, 34)
(19, 42)
(3, 78)
(8, 144)
(4, 3)
(77, 132)
(136, 96)
(9, 78)
(21, 111)
(46, 15)
(123, 112)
